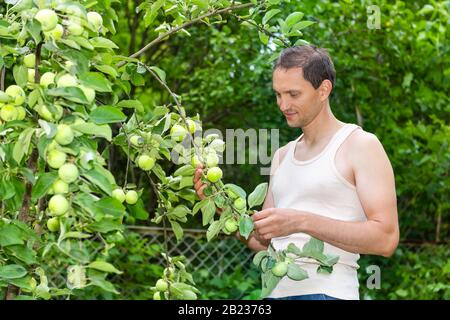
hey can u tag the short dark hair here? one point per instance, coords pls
(315, 62)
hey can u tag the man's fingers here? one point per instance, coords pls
(261, 214)
(200, 191)
(197, 175)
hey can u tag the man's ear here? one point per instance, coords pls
(325, 89)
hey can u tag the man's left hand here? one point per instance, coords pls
(276, 222)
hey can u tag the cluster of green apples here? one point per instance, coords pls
(129, 196)
(11, 102)
(143, 142)
(69, 22)
(68, 173)
(169, 285)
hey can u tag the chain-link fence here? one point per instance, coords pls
(222, 268)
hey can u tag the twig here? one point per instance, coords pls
(184, 25)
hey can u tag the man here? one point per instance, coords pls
(334, 183)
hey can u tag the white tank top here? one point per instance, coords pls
(316, 186)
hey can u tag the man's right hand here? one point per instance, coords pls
(199, 185)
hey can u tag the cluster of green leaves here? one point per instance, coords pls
(413, 273)
(274, 265)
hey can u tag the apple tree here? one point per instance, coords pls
(65, 96)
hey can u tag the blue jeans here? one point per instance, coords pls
(319, 296)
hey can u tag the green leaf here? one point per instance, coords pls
(296, 273)
(7, 190)
(106, 225)
(208, 211)
(199, 205)
(236, 189)
(107, 114)
(34, 28)
(257, 197)
(97, 279)
(259, 256)
(20, 73)
(292, 248)
(293, 18)
(186, 170)
(100, 42)
(43, 184)
(103, 130)
(111, 206)
(263, 37)
(103, 266)
(270, 281)
(10, 235)
(97, 178)
(138, 210)
(12, 271)
(313, 246)
(301, 25)
(107, 69)
(96, 81)
(324, 269)
(22, 145)
(177, 230)
(245, 225)
(161, 74)
(134, 104)
(22, 253)
(70, 93)
(213, 230)
(76, 235)
(269, 14)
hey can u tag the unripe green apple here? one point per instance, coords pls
(212, 160)
(188, 295)
(56, 33)
(53, 224)
(161, 285)
(231, 225)
(177, 132)
(21, 113)
(64, 134)
(95, 20)
(47, 18)
(217, 145)
(240, 203)
(118, 194)
(74, 28)
(195, 161)
(156, 296)
(280, 269)
(66, 80)
(16, 93)
(88, 93)
(29, 60)
(146, 162)
(47, 79)
(214, 174)
(56, 158)
(136, 140)
(60, 187)
(31, 74)
(68, 172)
(8, 112)
(131, 197)
(191, 125)
(58, 205)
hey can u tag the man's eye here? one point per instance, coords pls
(294, 94)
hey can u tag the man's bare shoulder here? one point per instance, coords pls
(362, 145)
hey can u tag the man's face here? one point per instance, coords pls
(296, 97)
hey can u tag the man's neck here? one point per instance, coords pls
(322, 127)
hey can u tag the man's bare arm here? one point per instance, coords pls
(375, 186)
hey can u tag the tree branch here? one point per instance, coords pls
(184, 25)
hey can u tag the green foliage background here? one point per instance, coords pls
(393, 81)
